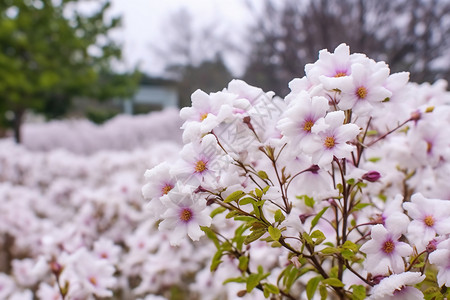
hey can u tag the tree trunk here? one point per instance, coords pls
(17, 124)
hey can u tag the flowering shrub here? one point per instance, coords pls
(338, 190)
(123, 132)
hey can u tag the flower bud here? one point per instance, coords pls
(432, 245)
(371, 176)
(314, 169)
(247, 120)
(415, 116)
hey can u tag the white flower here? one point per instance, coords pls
(385, 252)
(332, 65)
(200, 162)
(7, 286)
(106, 249)
(398, 286)
(441, 258)
(184, 215)
(430, 217)
(332, 139)
(159, 183)
(300, 117)
(206, 112)
(88, 275)
(364, 88)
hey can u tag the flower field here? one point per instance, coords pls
(338, 191)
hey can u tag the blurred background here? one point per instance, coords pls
(98, 59)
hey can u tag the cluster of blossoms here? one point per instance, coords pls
(338, 190)
(123, 132)
(77, 226)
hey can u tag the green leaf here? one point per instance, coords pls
(271, 289)
(374, 159)
(234, 196)
(263, 175)
(266, 189)
(351, 181)
(258, 193)
(307, 238)
(312, 285)
(211, 235)
(359, 292)
(309, 201)
(246, 200)
(347, 254)
(276, 245)
(216, 260)
(217, 211)
(350, 245)
(360, 206)
(323, 292)
(279, 216)
(254, 236)
(252, 281)
(243, 263)
(232, 213)
(333, 282)
(371, 132)
(235, 279)
(329, 250)
(275, 233)
(317, 217)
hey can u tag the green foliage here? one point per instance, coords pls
(49, 56)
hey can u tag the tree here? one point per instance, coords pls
(407, 34)
(49, 55)
(193, 56)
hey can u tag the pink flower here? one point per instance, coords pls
(364, 89)
(332, 65)
(398, 286)
(300, 117)
(206, 112)
(184, 215)
(430, 217)
(332, 139)
(441, 258)
(159, 183)
(384, 251)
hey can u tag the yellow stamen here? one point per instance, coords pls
(429, 221)
(361, 92)
(329, 142)
(166, 189)
(340, 74)
(388, 247)
(93, 280)
(429, 147)
(307, 126)
(185, 215)
(200, 166)
(203, 116)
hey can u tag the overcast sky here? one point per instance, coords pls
(143, 24)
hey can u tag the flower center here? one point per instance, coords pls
(200, 166)
(388, 247)
(186, 215)
(340, 74)
(361, 92)
(429, 221)
(93, 280)
(429, 147)
(166, 189)
(307, 126)
(104, 255)
(329, 142)
(203, 116)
